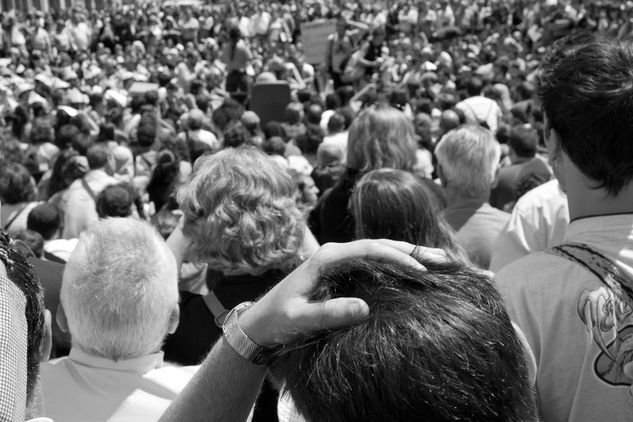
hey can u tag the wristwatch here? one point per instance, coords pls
(237, 338)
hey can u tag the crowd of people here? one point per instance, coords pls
(203, 222)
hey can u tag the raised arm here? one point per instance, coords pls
(225, 387)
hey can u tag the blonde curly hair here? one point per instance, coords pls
(240, 212)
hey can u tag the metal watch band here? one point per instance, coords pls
(236, 338)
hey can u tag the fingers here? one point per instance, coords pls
(418, 252)
(368, 249)
(335, 313)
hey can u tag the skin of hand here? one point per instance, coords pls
(284, 312)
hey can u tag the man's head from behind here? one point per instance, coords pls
(468, 159)
(523, 141)
(437, 346)
(586, 89)
(119, 291)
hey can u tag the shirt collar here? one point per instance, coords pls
(140, 365)
(599, 228)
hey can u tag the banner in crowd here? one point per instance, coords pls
(314, 38)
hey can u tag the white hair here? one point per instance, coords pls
(469, 157)
(119, 289)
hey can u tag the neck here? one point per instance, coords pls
(455, 198)
(585, 200)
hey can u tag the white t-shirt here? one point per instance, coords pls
(479, 109)
(581, 336)
(539, 220)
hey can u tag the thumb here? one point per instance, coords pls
(339, 312)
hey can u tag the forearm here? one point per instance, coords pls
(224, 389)
(358, 25)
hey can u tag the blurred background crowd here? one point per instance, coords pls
(264, 118)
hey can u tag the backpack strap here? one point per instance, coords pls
(15, 216)
(602, 267)
(88, 189)
(218, 311)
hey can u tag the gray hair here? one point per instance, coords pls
(469, 157)
(119, 289)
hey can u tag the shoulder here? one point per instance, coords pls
(542, 275)
(491, 214)
(53, 373)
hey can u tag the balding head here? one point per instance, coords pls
(120, 290)
(313, 115)
(449, 120)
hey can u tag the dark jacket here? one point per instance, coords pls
(331, 220)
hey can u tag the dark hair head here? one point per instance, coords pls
(66, 136)
(274, 128)
(16, 184)
(274, 145)
(446, 100)
(336, 123)
(399, 98)
(147, 130)
(304, 95)
(523, 140)
(332, 101)
(438, 345)
(97, 156)
(162, 184)
(474, 86)
(586, 89)
(81, 143)
(106, 132)
(313, 114)
(309, 142)
(68, 167)
(235, 34)
(42, 132)
(236, 135)
(44, 219)
(293, 113)
(116, 201)
(345, 93)
(394, 204)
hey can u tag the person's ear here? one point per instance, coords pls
(174, 318)
(552, 140)
(47, 340)
(60, 317)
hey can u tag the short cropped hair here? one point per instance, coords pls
(119, 289)
(240, 211)
(381, 137)
(97, 156)
(469, 158)
(523, 140)
(586, 90)
(438, 345)
(45, 220)
(116, 201)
